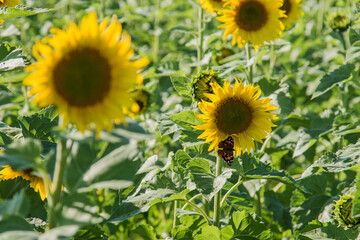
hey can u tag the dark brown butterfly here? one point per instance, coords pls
(226, 150)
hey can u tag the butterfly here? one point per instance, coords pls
(226, 150)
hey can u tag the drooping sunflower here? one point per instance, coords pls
(292, 10)
(140, 99)
(257, 21)
(238, 113)
(37, 183)
(212, 6)
(86, 71)
(9, 3)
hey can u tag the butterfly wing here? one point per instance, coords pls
(226, 151)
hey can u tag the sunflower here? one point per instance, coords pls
(140, 99)
(292, 10)
(238, 113)
(252, 20)
(9, 3)
(37, 183)
(212, 5)
(339, 21)
(86, 72)
(201, 84)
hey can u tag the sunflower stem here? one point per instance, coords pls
(239, 182)
(217, 197)
(199, 210)
(201, 38)
(272, 59)
(156, 32)
(250, 66)
(102, 9)
(55, 190)
(190, 200)
(258, 203)
(320, 20)
(269, 138)
(175, 218)
(342, 40)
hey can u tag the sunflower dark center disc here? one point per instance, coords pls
(233, 116)
(251, 16)
(82, 77)
(28, 171)
(286, 7)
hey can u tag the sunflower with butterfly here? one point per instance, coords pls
(235, 117)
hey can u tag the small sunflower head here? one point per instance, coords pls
(140, 99)
(9, 3)
(235, 112)
(343, 212)
(292, 10)
(339, 21)
(223, 53)
(255, 21)
(201, 84)
(212, 6)
(37, 183)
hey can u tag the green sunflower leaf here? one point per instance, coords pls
(306, 207)
(78, 209)
(330, 232)
(182, 86)
(336, 162)
(21, 11)
(17, 206)
(12, 224)
(134, 205)
(38, 126)
(353, 53)
(246, 226)
(22, 155)
(330, 80)
(101, 174)
(209, 232)
(186, 119)
(267, 172)
(207, 184)
(12, 61)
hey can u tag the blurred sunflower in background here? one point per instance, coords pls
(9, 3)
(292, 10)
(238, 113)
(212, 6)
(256, 21)
(37, 183)
(86, 71)
(140, 101)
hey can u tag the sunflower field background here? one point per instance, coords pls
(116, 118)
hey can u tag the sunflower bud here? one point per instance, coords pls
(201, 84)
(343, 212)
(338, 21)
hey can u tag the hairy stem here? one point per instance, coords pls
(200, 38)
(250, 66)
(217, 197)
(239, 182)
(55, 191)
(175, 219)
